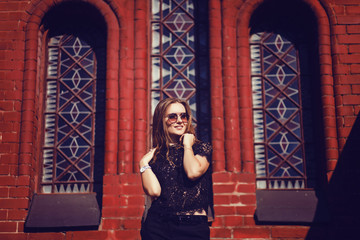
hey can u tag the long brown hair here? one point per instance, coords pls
(160, 135)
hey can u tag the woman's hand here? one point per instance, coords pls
(188, 140)
(147, 158)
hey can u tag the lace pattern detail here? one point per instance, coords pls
(180, 195)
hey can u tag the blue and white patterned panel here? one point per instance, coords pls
(69, 116)
(173, 51)
(278, 138)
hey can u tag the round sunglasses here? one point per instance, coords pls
(173, 117)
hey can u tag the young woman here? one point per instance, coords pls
(176, 174)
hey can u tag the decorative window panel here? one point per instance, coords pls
(277, 113)
(173, 51)
(69, 138)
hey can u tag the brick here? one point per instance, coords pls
(348, 19)
(17, 214)
(8, 226)
(246, 178)
(7, 180)
(23, 181)
(13, 236)
(136, 200)
(14, 203)
(4, 169)
(221, 177)
(339, 29)
(252, 232)
(351, 58)
(3, 215)
(349, 120)
(89, 235)
(354, 48)
(233, 221)
(6, 105)
(235, 199)
(8, 159)
(110, 223)
(220, 233)
(132, 189)
(47, 236)
(127, 234)
(344, 131)
(222, 199)
(355, 68)
(224, 188)
(110, 201)
(4, 191)
(11, 137)
(131, 223)
(351, 100)
(132, 211)
(108, 212)
(289, 232)
(19, 192)
(248, 199)
(353, 28)
(249, 221)
(245, 210)
(224, 210)
(245, 188)
(340, 10)
(348, 39)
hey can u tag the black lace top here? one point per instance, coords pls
(180, 195)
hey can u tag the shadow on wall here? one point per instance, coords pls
(343, 194)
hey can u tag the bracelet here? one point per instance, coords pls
(144, 168)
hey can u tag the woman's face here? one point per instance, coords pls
(176, 120)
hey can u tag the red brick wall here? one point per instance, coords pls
(127, 117)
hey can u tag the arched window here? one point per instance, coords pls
(179, 62)
(287, 112)
(72, 52)
(286, 97)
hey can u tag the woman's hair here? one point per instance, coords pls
(160, 134)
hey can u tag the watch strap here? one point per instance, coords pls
(144, 168)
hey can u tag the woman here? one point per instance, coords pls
(176, 174)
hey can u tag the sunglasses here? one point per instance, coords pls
(173, 117)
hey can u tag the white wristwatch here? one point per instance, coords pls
(144, 168)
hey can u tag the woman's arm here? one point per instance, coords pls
(149, 180)
(194, 165)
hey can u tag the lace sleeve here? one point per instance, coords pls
(203, 149)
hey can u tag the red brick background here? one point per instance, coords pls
(127, 117)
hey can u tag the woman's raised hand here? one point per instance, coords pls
(188, 139)
(147, 157)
